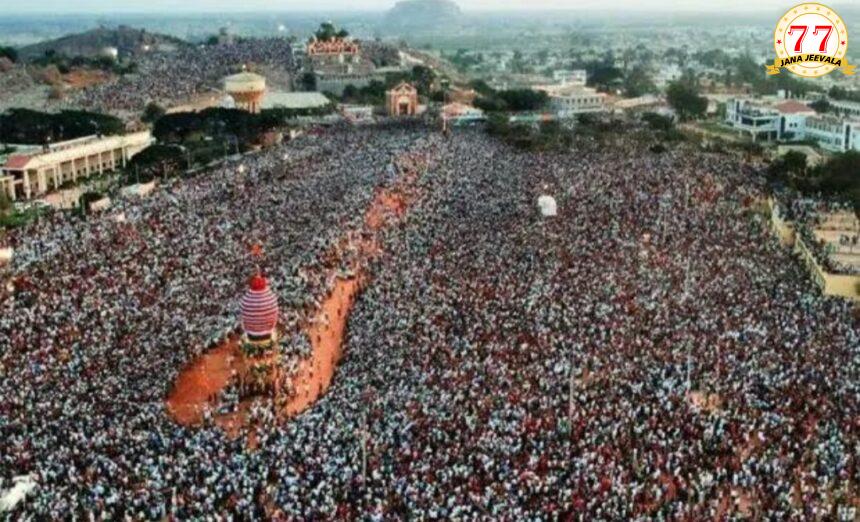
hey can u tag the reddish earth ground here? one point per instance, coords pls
(327, 332)
(205, 377)
(80, 78)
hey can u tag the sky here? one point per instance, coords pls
(166, 6)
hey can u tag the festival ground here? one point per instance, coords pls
(195, 393)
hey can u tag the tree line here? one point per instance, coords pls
(29, 127)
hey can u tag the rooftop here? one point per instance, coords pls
(793, 107)
(295, 100)
(74, 149)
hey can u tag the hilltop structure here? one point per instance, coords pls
(336, 61)
(423, 14)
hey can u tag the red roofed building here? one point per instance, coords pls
(793, 107)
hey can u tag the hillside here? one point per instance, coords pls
(127, 40)
(423, 14)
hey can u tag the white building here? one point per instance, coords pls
(768, 119)
(294, 100)
(31, 174)
(846, 108)
(573, 77)
(569, 100)
(752, 117)
(790, 120)
(357, 113)
(832, 133)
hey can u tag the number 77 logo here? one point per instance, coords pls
(798, 44)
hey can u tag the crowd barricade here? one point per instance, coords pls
(842, 285)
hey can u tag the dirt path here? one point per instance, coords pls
(326, 334)
(205, 377)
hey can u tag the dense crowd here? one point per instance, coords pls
(176, 77)
(650, 352)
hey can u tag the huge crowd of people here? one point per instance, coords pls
(650, 352)
(176, 77)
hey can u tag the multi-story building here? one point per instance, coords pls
(767, 119)
(833, 133)
(846, 108)
(571, 99)
(571, 102)
(752, 117)
(791, 120)
(572, 77)
(35, 173)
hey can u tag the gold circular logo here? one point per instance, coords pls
(810, 40)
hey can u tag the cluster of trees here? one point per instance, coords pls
(548, 135)
(604, 76)
(236, 124)
(10, 53)
(515, 100)
(152, 112)
(186, 139)
(423, 78)
(157, 160)
(371, 94)
(464, 61)
(664, 130)
(683, 96)
(212, 123)
(27, 126)
(327, 31)
(638, 82)
(66, 64)
(841, 93)
(744, 70)
(837, 177)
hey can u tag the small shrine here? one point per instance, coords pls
(402, 100)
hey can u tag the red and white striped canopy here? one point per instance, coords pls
(259, 309)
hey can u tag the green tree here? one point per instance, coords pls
(638, 82)
(152, 113)
(308, 81)
(9, 52)
(686, 101)
(789, 169)
(657, 121)
(820, 106)
(35, 127)
(156, 161)
(603, 75)
(327, 31)
(524, 99)
(839, 176)
(423, 77)
(482, 87)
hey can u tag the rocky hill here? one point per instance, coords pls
(423, 14)
(127, 40)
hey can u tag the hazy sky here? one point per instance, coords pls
(166, 6)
